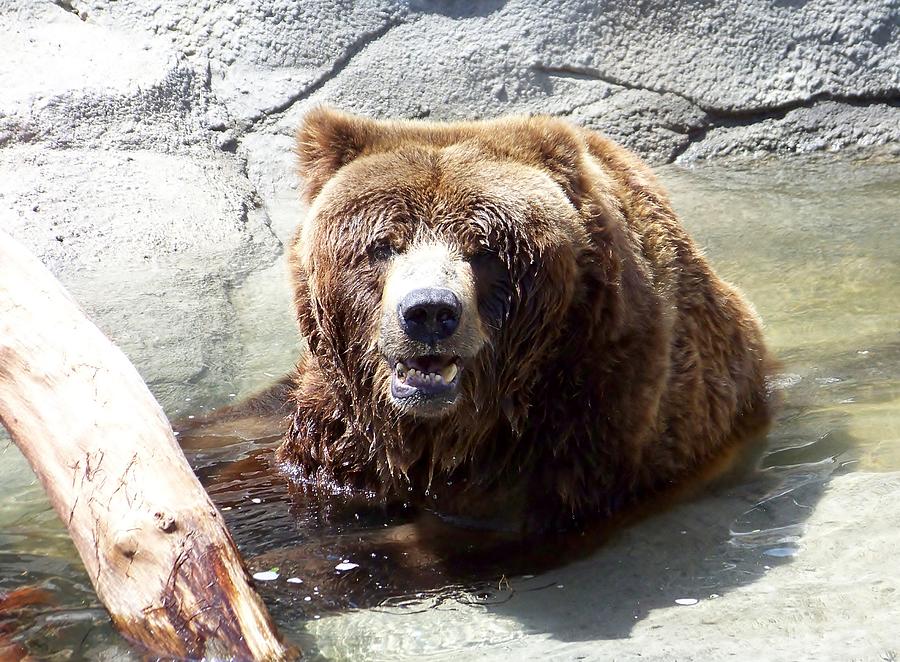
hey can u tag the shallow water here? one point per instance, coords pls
(813, 243)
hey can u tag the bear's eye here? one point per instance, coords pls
(382, 251)
(493, 286)
(482, 255)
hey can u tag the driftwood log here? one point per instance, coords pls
(155, 547)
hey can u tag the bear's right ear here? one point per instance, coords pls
(328, 140)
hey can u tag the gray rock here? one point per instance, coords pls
(69, 82)
(152, 245)
(658, 76)
(826, 126)
(260, 56)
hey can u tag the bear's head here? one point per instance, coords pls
(440, 264)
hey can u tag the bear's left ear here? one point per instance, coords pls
(328, 140)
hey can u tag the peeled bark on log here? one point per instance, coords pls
(155, 547)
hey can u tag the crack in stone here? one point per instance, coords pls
(716, 117)
(590, 73)
(333, 72)
(69, 6)
(738, 118)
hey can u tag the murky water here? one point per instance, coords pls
(815, 246)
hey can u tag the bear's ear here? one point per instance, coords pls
(328, 140)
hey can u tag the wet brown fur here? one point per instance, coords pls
(619, 363)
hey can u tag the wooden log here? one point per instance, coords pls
(156, 549)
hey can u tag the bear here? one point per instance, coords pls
(506, 324)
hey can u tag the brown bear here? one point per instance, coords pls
(506, 323)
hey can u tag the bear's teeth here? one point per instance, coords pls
(406, 374)
(448, 374)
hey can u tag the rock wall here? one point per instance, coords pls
(145, 146)
(663, 77)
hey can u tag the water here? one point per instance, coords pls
(813, 243)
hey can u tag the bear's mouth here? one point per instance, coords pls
(427, 377)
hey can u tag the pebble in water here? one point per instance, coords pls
(686, 602)
(265, 575)
(346, 565)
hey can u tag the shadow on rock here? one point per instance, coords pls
(458, 8)
(697, 551)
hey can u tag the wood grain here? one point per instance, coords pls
(157, 551)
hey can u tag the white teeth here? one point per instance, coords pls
(448, 374)
(445, 376)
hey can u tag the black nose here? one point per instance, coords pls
(429, 314)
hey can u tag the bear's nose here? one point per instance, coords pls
(429, 314)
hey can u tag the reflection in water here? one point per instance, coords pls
(814, 246)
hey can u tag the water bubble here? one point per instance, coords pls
(784, 381)
(686, 602)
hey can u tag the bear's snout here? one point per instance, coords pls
(429, 314)
(430, 328)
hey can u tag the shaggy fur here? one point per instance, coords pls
(614, 364)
